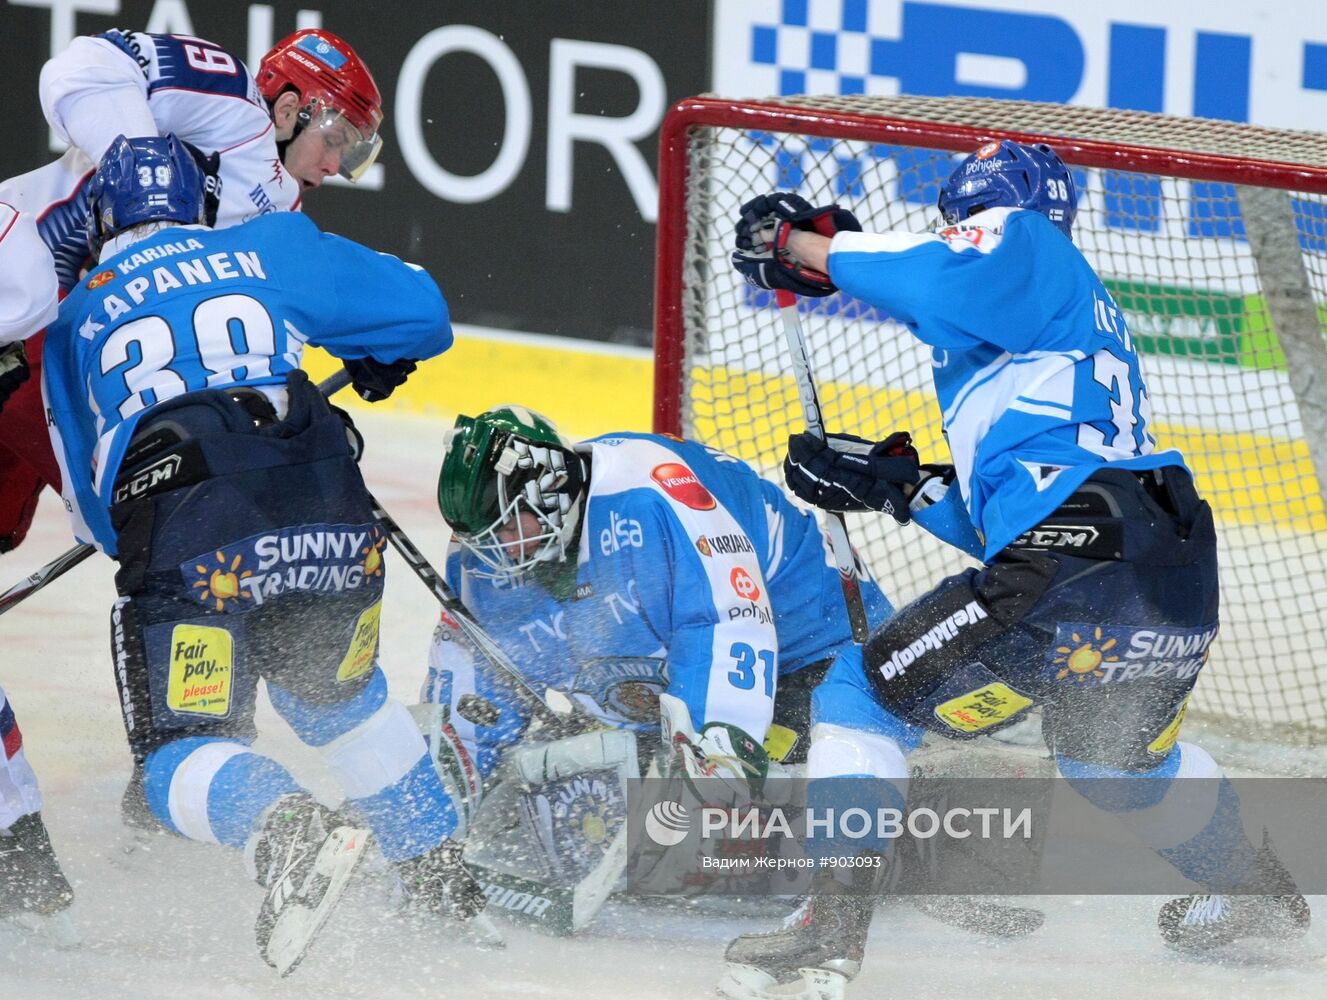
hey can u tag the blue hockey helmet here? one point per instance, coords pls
(1010, 174)
(144, 179)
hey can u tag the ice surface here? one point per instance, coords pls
(165, 918)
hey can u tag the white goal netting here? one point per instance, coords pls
(1212, 238)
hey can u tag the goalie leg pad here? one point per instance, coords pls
(609, 749)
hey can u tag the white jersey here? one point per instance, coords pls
(28, 291)
(134, 83)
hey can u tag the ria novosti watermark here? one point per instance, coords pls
(976, 836)
(668, 822)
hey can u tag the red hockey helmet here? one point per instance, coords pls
(331, 79)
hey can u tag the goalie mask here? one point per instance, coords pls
(512, 489)
(1009, 174)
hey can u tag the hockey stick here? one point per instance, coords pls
(53, 570)
(835, 525)
(63, 563)
(468, 628)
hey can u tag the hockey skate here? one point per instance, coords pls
(135, 813)
(303, 856)
(813, 955)
(1198, 924)
(31, 880)
(437, 882)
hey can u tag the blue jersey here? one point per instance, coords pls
(1034, 367)
(190, 308)
(693, 575)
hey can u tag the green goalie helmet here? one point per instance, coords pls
(512, 489)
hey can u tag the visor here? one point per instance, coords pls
(357, 150)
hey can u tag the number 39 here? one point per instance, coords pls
(150, 176)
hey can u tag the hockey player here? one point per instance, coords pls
(1047, 419)
(196, 453)
(634, 573)
(313, 111)
(31, 881)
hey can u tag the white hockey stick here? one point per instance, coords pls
(834, 523)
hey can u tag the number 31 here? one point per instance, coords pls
(743, 674)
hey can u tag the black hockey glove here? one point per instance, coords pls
(850, 473)
(210, 167)
(763, 228)
(374, 380)
(14, 369)
(353, 437)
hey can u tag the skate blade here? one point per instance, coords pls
(746, 982)
(297, 924)
(480, 931)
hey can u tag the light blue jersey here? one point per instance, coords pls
(688, 562)
(1035, 370)
(191, 308)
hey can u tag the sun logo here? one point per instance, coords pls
(372, 554)
(221, 583)
(593, 825)
(1084, 662)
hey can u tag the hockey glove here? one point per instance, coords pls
(14, 369)
(849, 473)
(374, 380)
(353, 437)
(210, 167)
(762, 254)
(721, 765)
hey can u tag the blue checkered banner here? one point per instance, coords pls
(542, 117)
(1263, 61)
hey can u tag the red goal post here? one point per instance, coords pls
(1210, 235)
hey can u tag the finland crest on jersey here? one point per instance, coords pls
(1035, 370)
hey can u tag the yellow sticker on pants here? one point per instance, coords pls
(779, 741)
(979, 709)
(202, 665)
(1162, 745)
(363, 645)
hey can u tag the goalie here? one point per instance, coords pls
(654, 582)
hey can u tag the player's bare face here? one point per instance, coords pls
(519, 536)
(315, 154)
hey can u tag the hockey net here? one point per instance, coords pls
(1212, 238)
